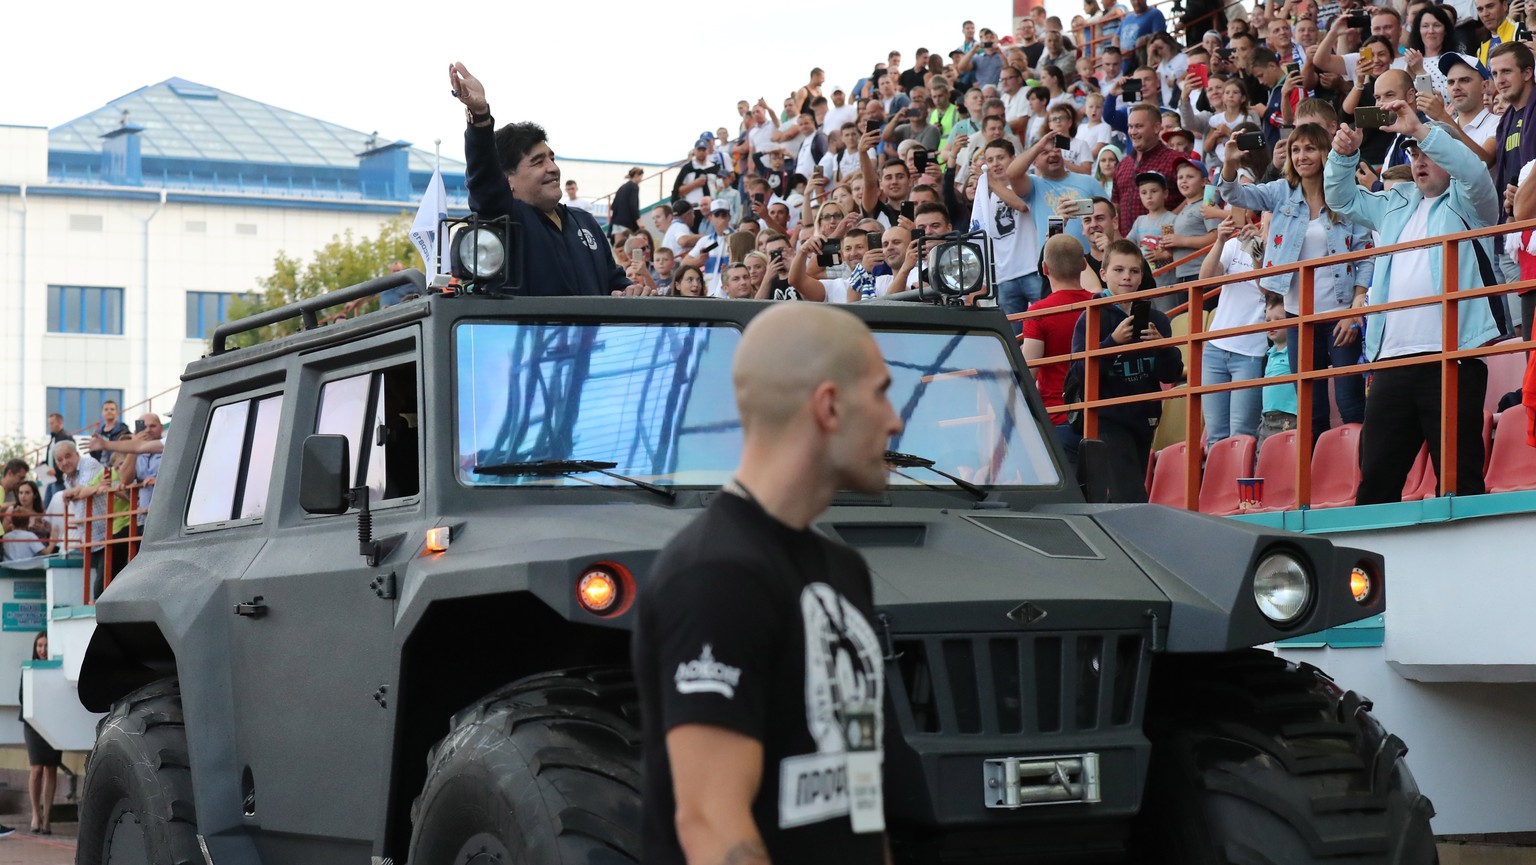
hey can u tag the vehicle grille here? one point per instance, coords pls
(1036, 683)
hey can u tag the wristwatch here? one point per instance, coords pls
(477, 119)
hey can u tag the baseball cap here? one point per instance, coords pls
(706, 135)
(838, 89)
(1171, 133)
(704, 142)
(719, 206)
(681, 207)
(1449, 59)
(1152, 177)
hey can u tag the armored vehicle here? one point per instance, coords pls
(382, 609)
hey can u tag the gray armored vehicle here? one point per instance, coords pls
(382, 609)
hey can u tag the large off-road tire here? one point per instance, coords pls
(1256, 761)
(545, 771)
(136, 807)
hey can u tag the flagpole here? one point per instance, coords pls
(437, 169)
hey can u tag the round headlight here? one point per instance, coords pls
(955, 268)
(1282, 588)
(480, 251)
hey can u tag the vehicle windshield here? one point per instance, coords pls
(657, 400)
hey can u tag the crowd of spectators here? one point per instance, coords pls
(108, 473)
(1260, 137)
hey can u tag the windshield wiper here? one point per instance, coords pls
(896, 459)
(568, 467)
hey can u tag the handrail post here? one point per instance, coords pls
(85, 571)
(1304, 349)
(1450, 327)
(1193, 415)
(1091, 339)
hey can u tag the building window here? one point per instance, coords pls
(81, 406)
(85, 309)
(207, 310)
(84, 222)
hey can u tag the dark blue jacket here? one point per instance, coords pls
(573, 258)
(1130, 372)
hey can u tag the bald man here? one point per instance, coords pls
(760, 676)
(1394, 85)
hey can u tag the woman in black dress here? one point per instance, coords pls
(43, 758)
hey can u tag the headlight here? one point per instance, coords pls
(478, 253)
(955, 269)
(1282, 588)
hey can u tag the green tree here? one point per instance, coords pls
(342, 262)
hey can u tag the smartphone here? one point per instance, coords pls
(1130, 91)
(705, 250)
(1424, 84)
(1292, 68)
(1202, 73)
(829, 258)
(920, 161)
(138, 426)
(909, 210)
(871, 126)
(816, 171)
(1054, 226)
(1366, 54)
(1141, 314)
(777, 255)
(1063, 142)
(1371, 117)
(759, 198)
(1358, 19)
(1224, 53)
(987, 46)
(1251, 141)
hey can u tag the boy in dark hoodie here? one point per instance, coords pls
(1127, 430)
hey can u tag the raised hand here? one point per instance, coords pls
(467, 88)
(1346, 142)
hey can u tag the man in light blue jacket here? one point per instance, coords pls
(1451, 192)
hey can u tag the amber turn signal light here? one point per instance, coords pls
(1360, 584)
(598, 591)
(437, 539)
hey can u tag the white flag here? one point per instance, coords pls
(434, 206)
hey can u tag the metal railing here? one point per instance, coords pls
(1448, 298)
(76, 535)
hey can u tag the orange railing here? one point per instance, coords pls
(1196, 292)
(76, 536)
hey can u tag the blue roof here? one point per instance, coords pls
(184, 120)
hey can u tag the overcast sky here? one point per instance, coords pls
(626, 81)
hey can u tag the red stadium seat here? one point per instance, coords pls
(1512, 464)
(1336, 467)
(1277, 466)
(1422, 483)
(1168, 476)
(1229, 459)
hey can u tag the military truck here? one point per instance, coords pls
(382, 608)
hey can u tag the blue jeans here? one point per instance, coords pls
(1015, 295)
(392, 296)
(1348, 390)
(1233, 412)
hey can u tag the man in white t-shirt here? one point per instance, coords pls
(1006, 219)
(574, 199)
(852, 249)
(680, 236)
(1465, 81)
(813, 145)
(1451, 192)
(842, 160)
(841, 111)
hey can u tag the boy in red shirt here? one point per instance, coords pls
(1051, 335)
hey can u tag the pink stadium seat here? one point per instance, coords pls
(1505, 372)
(1336, 467)
(1229, 459)
(1512, 463)
(1277, 466)
(1422, 483)
(1151, 464)
(1487, 439)
(1168, 476)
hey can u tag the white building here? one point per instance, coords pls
(126, 233)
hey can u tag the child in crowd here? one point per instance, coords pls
(662, 270)
(1156, 223)
(1095, 131)
(1279, 399)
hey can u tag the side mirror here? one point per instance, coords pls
(323, 475)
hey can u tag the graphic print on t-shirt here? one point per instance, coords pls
(1003, 219)
(844, 687)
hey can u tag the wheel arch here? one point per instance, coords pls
(121, 658)
(462, 649)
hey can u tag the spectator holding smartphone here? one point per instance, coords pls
(1126, 430)
(1238, 249)
(1303, 227)
(1451, 192)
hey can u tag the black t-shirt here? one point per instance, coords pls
(911, 78)
(1032, 53)
(755, 627)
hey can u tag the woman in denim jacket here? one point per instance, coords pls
(1302, 228)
